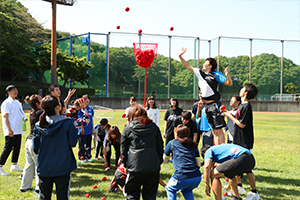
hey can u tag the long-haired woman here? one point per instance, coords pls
(142, 151)
(113, 138)
(53, 139)
(153, 111)
(35, 101)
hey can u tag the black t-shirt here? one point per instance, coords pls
(191, 125)
(195, 107)
(34, 118)
(244, 137)
(170, 117)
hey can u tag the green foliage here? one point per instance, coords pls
(291, 88)
(18, 30)
(73, 68)
(82, 91)
(23, 90)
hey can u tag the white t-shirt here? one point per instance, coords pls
(154, 115)
(15, 116)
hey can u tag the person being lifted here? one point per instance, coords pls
(208, 81)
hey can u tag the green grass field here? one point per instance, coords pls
(277, 170)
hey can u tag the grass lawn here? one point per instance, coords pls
(276, 150)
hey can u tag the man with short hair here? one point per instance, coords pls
(187, 121)
(208, 81)
(234, 103)
(55, 91)
(232, 160)
(12, 117)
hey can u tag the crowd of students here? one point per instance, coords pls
(139, 149)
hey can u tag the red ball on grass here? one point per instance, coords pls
(140, 31)
(95, 186)
(104, 178)
(87, 195)
(103, 198)
(127, 9)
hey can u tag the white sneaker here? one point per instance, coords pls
(2, 172)
(252, 196)
(241, 191)
(16, 168)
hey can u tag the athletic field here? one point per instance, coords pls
(276, 150)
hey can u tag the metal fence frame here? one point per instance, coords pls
(197, 56)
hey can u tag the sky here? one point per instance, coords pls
(206, 19)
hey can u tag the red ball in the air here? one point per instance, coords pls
(140, 31)
(82, 158)
(127, 9)
(118, 27)
(172, 28)
(225, 194)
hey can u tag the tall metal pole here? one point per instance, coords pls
(250, 61)
(88, 57)
(53, 44)
(71, 53)
(169, 75)
(218, 68)
(281, 75)
(107, 65)
(139, 86)
(209, 48)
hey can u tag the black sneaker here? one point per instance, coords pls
(234, 198)
(25, 190)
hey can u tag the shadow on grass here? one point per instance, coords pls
(264, 169)
(279, 187)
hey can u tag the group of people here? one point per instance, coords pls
(139, 149)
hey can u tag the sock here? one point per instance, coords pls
(254, 191)
(240, 185)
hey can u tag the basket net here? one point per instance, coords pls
(145, 54)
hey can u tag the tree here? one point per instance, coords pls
(73, 68)
(291, 88)
(18, 30)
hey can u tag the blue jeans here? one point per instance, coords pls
(186, 186)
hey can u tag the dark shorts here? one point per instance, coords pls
(213, 115)
(243, 164)
(207, 138)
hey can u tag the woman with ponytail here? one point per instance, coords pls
(186, 161)
(142, 154)
(53, 139)
(35, 101)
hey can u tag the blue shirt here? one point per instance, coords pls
(184, 160)
(89, 128)
(204, 125)
(224, 152)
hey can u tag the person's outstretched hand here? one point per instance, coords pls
(183, 50)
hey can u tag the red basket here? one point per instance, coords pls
(145, 54)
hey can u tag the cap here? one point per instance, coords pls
(9, 88)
